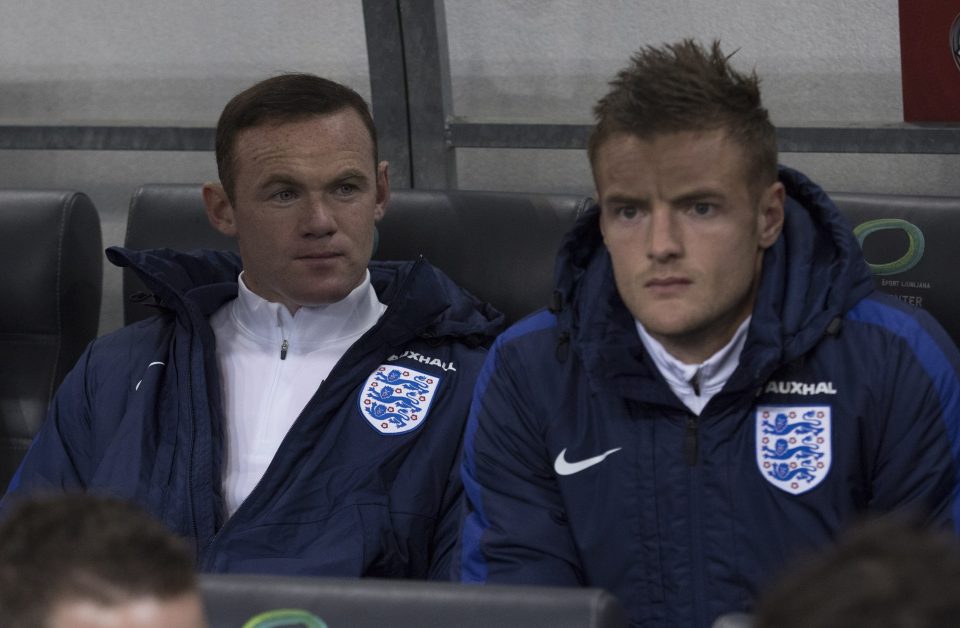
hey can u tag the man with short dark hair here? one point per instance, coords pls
(718, 388)
(79, 561)
(299, 413)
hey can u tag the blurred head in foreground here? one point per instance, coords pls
(78, 561)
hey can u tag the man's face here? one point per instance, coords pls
(685, 234)
(184, 611)
(306, 197)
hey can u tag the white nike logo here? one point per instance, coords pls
(137, 387)
(562, 467)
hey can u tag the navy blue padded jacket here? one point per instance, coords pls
(140, 417)
(582, 467)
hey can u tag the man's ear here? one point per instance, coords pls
(383, 190)
(771, 214)
(219, 209)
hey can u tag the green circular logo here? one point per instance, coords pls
(285, 618)
(914, 250)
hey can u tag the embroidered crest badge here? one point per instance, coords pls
(793, 446)
(396, 399)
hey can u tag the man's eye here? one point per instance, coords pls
(285, 196)
(702, 209)
(628, 213)
(345, 189)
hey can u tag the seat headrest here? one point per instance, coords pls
(909, 243)
(52, 285)
(498, 245)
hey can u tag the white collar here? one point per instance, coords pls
(310, 326)
(711, 375)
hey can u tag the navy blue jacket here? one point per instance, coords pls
(845, 402)
(140, 417)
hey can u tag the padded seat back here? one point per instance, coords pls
(51, 283)
(165, 216)
(500, 246)
(233, 600)
(909, 243)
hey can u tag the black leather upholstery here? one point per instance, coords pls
(51, 284)
(499, 246)
(165, 215)
(910, 243)
(232, 600)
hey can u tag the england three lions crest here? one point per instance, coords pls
(793, 446)
(396, 399)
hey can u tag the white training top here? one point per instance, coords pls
(696, 384)
(271, 364)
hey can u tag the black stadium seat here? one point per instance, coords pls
(500, 246)
(52, 260)
(255, 601)
(165, 216)
(909, 243)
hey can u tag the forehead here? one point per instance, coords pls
(669, 161)
(184, 611)
(341, 135)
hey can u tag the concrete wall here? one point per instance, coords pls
(179, 61)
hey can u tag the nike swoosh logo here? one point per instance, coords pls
(562, 467)
(137, 387)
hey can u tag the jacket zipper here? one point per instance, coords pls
(697, 567)
(690, 439)
(208, 557)
(283, 335)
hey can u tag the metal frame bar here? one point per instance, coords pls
(103, 137)
(388, 87)
(892, 138)
(429, 98)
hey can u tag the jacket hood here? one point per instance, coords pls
(201, 281)
(811, 276)
(450, 311)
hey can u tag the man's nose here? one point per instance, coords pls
(664, 235)
(316, 218)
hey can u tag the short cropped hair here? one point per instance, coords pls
(883, 575)
(77, 547)
(685, 87)
(282, 98)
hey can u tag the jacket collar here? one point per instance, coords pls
(428, 303)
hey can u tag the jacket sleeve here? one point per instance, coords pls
(916, 466)
(59, 454)
(515, 529)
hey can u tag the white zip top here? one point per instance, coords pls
(265, 389)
